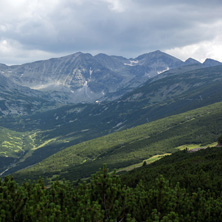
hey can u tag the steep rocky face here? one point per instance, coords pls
(81, 77)
(159, 60)
(16, 99)
(114, 63)
(85, 78)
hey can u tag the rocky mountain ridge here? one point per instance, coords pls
(81, 77)
(19, 100)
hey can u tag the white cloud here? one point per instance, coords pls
(210, 48)
(121, 27)
(13, 52)
(199, 51)
(6, 47)
(116, 5)
(3, 28)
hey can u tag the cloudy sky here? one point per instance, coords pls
(32, 30)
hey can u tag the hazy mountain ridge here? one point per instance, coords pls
(191, 61)
(81, 77)
(210, 62)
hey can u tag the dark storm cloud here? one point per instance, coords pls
(121, 27)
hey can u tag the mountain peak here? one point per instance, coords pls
(154, 53)
(101, 55)
(211, 62)
(157, 52)
(191, 61)
(75, 55)
(159, 58)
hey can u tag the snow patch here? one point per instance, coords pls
(84, 130)
(132, 63)
(118, 124)
(159, 72)
(72, 121)
(90, 72)
(85, 84)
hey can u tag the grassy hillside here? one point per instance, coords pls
(13, 146)
(11, 143)
(192, 170)
(121, 149)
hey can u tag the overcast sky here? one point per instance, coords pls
(32, 30)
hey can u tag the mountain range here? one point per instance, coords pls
(81, 77)
(47, 106)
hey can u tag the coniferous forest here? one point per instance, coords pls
(182, 187)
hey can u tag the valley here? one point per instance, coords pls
(40, 119)
(131, 146)
(110, 111)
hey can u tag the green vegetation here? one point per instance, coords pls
(194, 146)
(57, 128)
(143, 163)
(132, 146)
(220, 140)
(14, 144)
(11, 143)
(192, 194)
(191, 169)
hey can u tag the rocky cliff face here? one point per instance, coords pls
(85, 78)
(81, 77)
(20, 100)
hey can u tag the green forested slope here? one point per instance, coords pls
(171, 93)
(121, 149)
(141, 196)
(200, 169)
